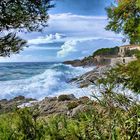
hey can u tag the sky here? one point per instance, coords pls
(76, 30)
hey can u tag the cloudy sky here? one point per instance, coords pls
(76, 29)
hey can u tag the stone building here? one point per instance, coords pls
(123, 49)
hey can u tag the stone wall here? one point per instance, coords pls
(123, 49)
(121, 60)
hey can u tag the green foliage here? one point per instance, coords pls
(130, 53)
(125, 18)
(8, 124)
(102, 122)
(126, 75)
(24, 14)
(114, 116)
(20, 15)
(11, 44)
(64, 98)
(28, 127)
(22, 124)
(72, 105)
(106, 51)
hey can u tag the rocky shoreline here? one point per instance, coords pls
(64, 104)
(90, 77)
(10, 105)
(100, 65)
(83, 63)
(68, 104)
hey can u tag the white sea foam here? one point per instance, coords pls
(51, 82)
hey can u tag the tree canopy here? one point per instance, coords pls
(124, 17)
(106, 51)
(20, 15)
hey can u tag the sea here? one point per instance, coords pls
(39, 80)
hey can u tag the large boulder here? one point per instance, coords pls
(74, 63)
(10, 105)
(66, 97)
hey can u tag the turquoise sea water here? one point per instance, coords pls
(38, 80)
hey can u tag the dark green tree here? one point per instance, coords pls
(124, 17)
(23, 16)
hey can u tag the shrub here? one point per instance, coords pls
(130, 53)
(66, 97)
(72, 105)
(106, 51)
(84, 99)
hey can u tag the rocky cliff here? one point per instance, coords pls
(105, 57)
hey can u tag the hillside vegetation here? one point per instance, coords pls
(106, 52)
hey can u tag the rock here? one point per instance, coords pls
(63, 105)
(84, 99)
(18, 98)
(77, 110)
(86, 62)
(3, 101)
(54, 107)
(9, 105)
(72, 105)
(84, 84)
(74, 63)
(0, 106)
(80, 109)
(66, 97)
(50, 99)
(90, 77)
(86, 79)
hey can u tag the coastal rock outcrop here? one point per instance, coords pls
(68, 105)
(108, 56)
(10, 105)
(89, 78)
(103, 59)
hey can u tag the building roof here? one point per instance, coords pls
(129, 46)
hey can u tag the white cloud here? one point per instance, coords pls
(68, 47)
(80, 34)
(33, 48)
(79, 25)
(72, 16)
(68, 24)
(85, 47)
(47, 39)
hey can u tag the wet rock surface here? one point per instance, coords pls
(90, 77)
(84, 62)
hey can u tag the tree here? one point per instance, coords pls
(23, 16)
(124, 17)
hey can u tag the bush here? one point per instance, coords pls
(66, 97)
(106, 51)
(102, 122)
(130, 53)
(84, 99)
(72, 105)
